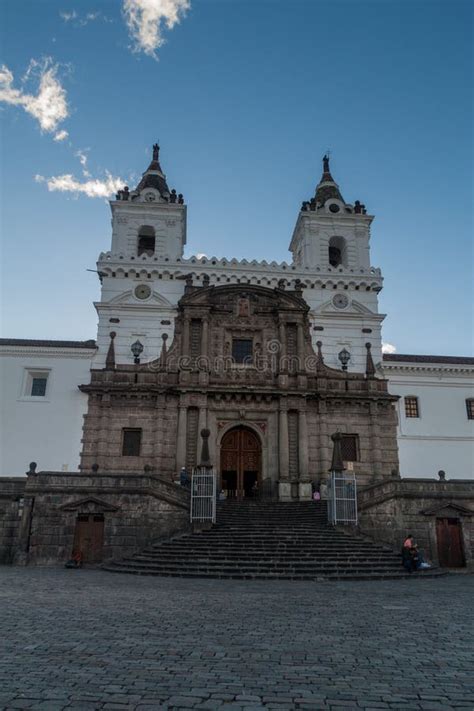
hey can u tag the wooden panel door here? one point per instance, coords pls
(240, 462)
(89, 537)
(449, 538)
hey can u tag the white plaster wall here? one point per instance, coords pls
(442, 437)
(342, 328)
(45, 430)
(168, 220)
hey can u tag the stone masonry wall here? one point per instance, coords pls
(11, 496)
(389, 510)
(137, 510)
(103, 428)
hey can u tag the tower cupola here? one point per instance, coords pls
(149, 223)
(153, 186)
(328, 198)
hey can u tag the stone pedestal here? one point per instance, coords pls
(304, 491)
(284, 491)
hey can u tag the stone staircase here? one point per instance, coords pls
(263, 540)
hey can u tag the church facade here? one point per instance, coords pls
(272, 359)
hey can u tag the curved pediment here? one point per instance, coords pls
(255, 295)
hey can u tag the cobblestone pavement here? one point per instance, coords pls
(94, 640)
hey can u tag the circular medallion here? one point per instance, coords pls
(142, 291)
(334, 208)
(150, 197)
(340, 301)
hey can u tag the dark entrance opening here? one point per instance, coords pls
(449, 538)
(241, 463)
(89, 537)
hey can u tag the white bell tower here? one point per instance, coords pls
(137, 304)
(150, 220)
(331, 242)
(331, 234)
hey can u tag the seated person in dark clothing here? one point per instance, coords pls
(409, 554)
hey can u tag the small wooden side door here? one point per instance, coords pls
(89, 537)
(449, 539)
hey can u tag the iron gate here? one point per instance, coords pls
(342, 498)
(203, 495)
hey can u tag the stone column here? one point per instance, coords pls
(181, 438)
(205, 340)
(186, 327)
(300, 345)
(282, 339)
(284, 486)
(325, 445)
(304, 485)
(377, 466)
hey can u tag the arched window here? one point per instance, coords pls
(337, 252)
(146, 240)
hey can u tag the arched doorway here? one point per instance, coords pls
(241, 458)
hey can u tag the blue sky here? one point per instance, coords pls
(244, 98)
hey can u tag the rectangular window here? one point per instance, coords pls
(350, 448)
(411, 406)
(470, 408)
(35, 384)
(242, 350)
(38, 386)
(131, 441)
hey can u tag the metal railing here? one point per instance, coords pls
(342, 498)
(203, 495)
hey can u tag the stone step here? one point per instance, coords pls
(264, 556)
(349, 575)
(264, 541)
(243, 566)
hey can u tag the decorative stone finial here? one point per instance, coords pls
(164, 350)
(110, 359)
(326, 164)
(205, 456)
(32, 469)
(320, 359)
(156, 151)
(369, 363)
(337, 465)
(442, 475)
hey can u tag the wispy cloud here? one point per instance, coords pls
(61, 135)
(146, 20)
(82, 155)
(76, 19)
(49, 105)
(93, 188)
(388, 348)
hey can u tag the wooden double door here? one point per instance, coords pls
(241, 458)
(449, 539)
(89, 537)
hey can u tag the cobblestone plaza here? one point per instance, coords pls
(92, 640)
